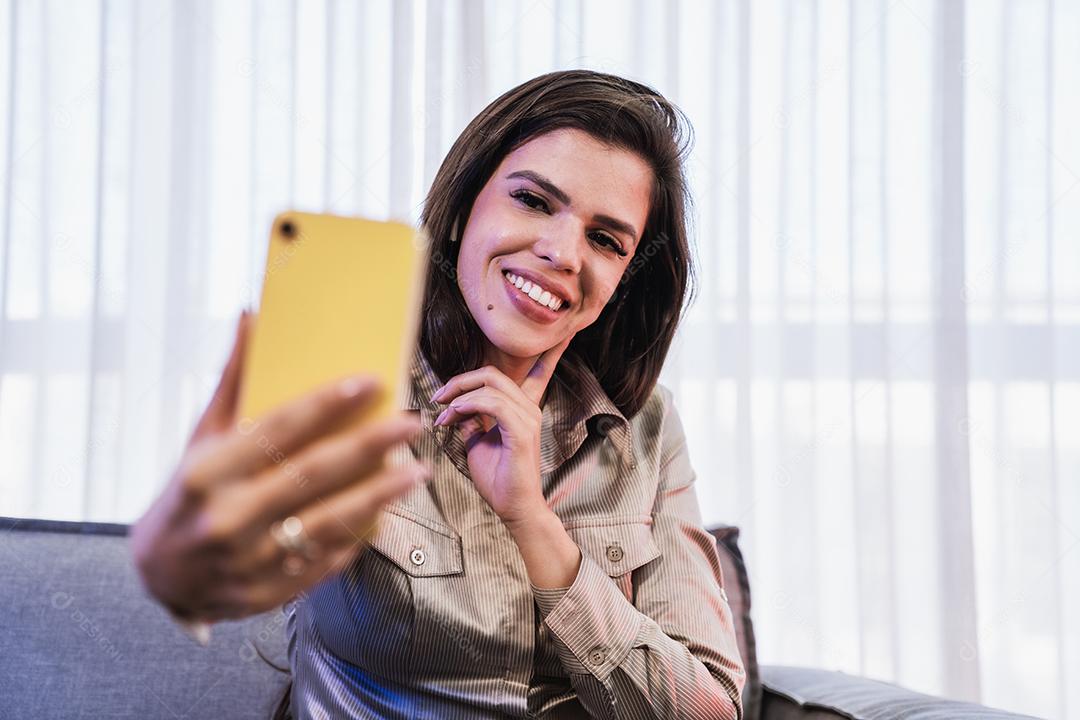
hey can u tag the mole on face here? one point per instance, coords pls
(491, 307)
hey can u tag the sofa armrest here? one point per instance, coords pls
(794, 693)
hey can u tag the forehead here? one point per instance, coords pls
(599, 177)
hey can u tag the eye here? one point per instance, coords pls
(534, 202)
(605, 239)
(530, 200)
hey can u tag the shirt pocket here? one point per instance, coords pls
(429, 555)
(375, 613)
(618, 546)
(419, 546)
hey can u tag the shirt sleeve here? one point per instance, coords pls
(672, 652)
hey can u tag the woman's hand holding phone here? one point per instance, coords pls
(205, 547)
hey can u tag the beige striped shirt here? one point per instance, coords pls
(441, 621)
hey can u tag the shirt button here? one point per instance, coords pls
(614, 553)
(597, 656)
(417, 557)
(633, 464)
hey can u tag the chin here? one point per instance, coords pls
(518, 347)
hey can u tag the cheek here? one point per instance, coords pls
(470, 287)
(609, 293)
(589, 313)
(469, 265)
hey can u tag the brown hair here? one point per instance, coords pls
(627, 344)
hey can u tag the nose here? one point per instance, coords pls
(562, 246)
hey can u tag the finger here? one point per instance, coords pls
(350, 515)
(488, 401)
(277, 587)
(218, 415)
(339, 522)
(539, 376)
(489, 376)
(456, 412)
(252, 446)
(252, 593)
(473, 430)
(327, 466)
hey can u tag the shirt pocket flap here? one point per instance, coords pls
(419, 546)
(617, 547)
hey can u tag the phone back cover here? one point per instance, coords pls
(342, 296)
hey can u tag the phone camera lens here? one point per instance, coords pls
(288, 229)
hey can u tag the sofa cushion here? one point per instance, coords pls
(737, 588)
(79, 637)
(797, 693)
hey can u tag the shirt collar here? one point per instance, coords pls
(570, 414)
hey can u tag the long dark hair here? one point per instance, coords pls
(627, 344)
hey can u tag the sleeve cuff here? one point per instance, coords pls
(547, 599)
(593, 625)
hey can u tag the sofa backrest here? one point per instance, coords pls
(79, 637)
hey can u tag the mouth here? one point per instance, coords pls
(533, 300)
(535, 292)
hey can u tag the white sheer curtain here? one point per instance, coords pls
(879, 377)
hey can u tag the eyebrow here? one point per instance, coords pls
(554, 190)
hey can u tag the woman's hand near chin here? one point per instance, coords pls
(504, 453)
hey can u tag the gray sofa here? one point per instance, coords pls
(79, 638)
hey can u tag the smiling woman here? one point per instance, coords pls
(525, 224)
(568, 175)
(587, 586)
(554, 564)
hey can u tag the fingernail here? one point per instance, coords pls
(442, 415)
(421, 475)
(352, 387)
(437, 393)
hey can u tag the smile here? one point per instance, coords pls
(535, 292)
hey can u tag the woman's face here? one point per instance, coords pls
(554, 227)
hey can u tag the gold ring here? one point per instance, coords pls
(299, 549)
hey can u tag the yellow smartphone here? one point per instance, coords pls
(340, 295)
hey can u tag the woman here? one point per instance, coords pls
(549, 559)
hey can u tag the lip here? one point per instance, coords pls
(529, 308)
(553, 286)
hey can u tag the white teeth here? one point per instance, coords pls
(537, 293)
